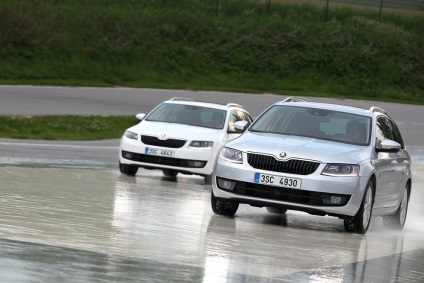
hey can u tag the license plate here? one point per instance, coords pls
(278, 181)
(159, 151)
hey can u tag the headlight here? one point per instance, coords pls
(231, 155)
(131, 135)
(201, 144)
(341, 170)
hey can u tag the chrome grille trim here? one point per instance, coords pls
(291, 166)
(172, 143)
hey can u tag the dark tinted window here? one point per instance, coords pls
(397, 135)
(383, 130)
(387, 129)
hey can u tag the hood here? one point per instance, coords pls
(301, 148)
(176, 131)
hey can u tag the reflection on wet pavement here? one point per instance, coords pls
(82, 224)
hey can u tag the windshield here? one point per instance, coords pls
(189, 115)
(315, 123)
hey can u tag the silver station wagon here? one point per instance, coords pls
(324, 159)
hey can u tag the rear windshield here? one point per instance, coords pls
(315, 123)
(189, 115)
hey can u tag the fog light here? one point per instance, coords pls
(127, 155)
(334, 199)
(196, 164)
(226, 184)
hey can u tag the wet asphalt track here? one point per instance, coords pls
(68, 215)
(88, 223)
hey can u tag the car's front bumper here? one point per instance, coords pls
(186, 160)
(313, 196)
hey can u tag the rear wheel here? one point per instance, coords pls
(397, 220)
(126, 169)
(361, 221)
(223, 207)
(276, 210)
(170, 173)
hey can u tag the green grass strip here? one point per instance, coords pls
(64, 127)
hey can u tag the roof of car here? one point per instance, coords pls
(333, 107)
(188, 101)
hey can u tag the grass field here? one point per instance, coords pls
(64, 127)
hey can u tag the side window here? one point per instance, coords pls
(248, 118)
(384, 130)
(233, 118)
(244, 116)
(396, 134)
(237, 115)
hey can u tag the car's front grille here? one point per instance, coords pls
(153, 159)
(292, 166)
(288, 195)
(173, 143)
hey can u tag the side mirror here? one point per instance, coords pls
(140, 116)
(388, 146)
(240, 126)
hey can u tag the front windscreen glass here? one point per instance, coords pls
(315, 123)
(189, 115)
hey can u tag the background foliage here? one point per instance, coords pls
(196, 44)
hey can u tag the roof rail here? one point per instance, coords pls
(377, 109)
(181, 99)
(295, 99)
(235, 105)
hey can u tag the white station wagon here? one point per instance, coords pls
(324, 159)
(180, 136)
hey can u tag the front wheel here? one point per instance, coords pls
(223, 207)
(361, 221)
(397, 220)
(129, 170)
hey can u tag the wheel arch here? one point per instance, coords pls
(409, 187)
(373, 179)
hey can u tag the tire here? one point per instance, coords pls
(129, 170)
(276, 210)
(361, 221)
(223, 207)
(397, 220)
(208, 179)
(170, 173)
